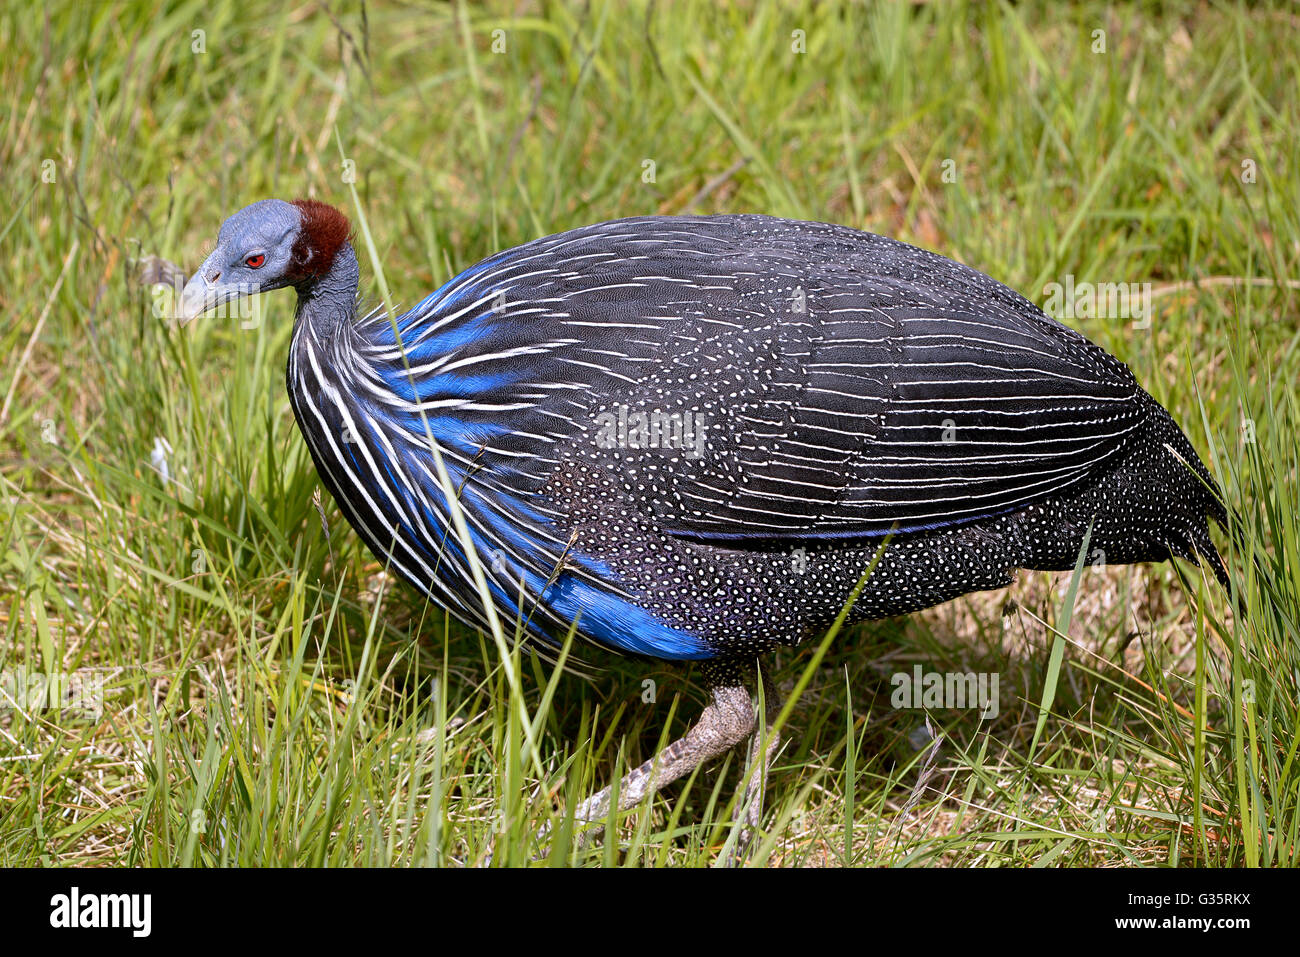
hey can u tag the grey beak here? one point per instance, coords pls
(201, 294)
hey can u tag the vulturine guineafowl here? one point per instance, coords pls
(692, 434)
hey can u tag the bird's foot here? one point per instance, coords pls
(726, 722)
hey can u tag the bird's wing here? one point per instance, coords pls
(905, 417)
(751, 379)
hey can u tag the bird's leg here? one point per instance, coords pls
(726, 721)
(762, 747)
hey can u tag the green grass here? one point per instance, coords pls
(271, 697)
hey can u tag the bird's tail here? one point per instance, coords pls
(1198, 535)
(1209, 503)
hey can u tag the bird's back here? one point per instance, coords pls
(686, 428)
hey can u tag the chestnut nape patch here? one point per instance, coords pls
(324, 230)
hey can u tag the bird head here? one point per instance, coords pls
(268, 245)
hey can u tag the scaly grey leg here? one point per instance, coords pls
(726, 722)
(763, 745)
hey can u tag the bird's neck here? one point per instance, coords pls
(328, 303)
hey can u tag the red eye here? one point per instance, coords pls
(255, 261)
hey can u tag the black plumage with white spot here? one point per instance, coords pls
(815, 389)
